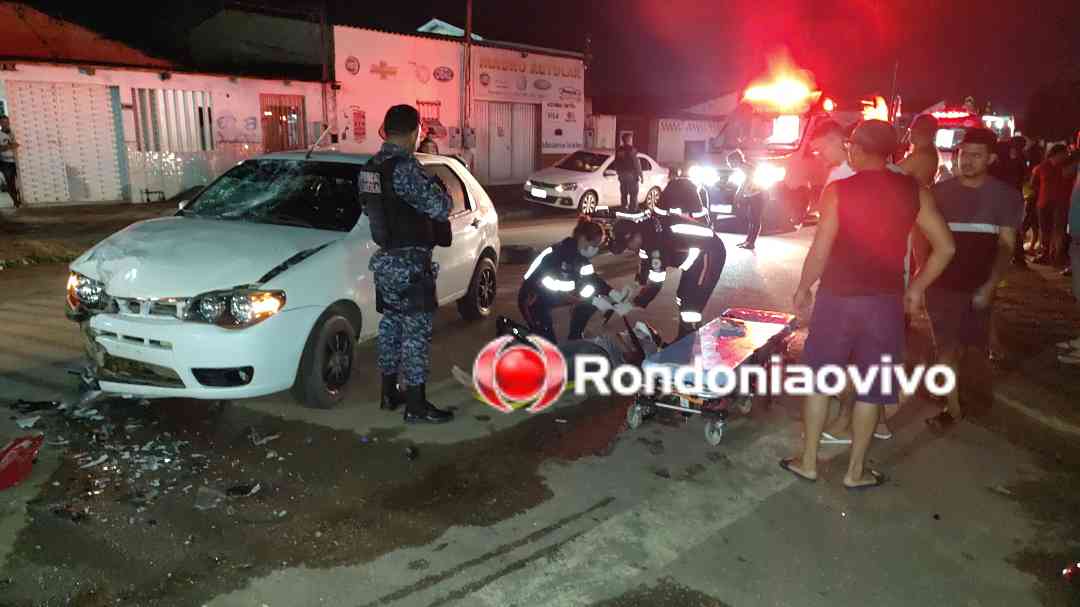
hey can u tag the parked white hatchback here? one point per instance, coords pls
(585, 181)
(261, 283)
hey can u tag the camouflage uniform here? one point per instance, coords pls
(405, 339)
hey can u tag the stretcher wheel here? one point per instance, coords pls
(745, 404)
(714, 431)
(635, 415)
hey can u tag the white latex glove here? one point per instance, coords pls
(624, 308)
(621, 295)
(602, 303)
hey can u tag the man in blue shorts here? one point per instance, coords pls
(858, 255)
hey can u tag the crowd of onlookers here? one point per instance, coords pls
(1046, 175)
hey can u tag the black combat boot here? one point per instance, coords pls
(419, 411)
(391, 396)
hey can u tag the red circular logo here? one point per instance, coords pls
(509, 372)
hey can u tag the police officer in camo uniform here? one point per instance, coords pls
(408, 217)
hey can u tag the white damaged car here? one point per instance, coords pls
(261, 284)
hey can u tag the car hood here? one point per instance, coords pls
(555, 176)
(183, 257)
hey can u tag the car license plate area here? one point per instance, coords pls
(538, 193)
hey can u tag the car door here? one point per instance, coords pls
(648, 174)
(609, 187)
(457, 261)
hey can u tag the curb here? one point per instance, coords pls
(35, 260)
(1053, 422)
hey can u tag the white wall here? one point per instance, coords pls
(237, 120)
(408, 78)
(672, 136)
(236, 104)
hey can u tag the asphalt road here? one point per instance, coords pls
(567, 507)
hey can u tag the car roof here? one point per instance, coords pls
(335, 156)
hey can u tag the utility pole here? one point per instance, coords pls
(323, 40)
(466, 109)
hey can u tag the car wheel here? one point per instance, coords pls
(589, 202)
(479, 301)
(327, 362)
(652, 198)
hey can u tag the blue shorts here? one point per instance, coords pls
(858, 331)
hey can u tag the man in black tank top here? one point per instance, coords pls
(858, 317)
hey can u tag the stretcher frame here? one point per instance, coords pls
(766, 334)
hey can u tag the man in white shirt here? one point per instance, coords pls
(8, 145)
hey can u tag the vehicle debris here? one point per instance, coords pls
(26, 423)
(207, 498)
(95, 462)
(411, 453)
(258, 440)
(17, 460)
(244, 490)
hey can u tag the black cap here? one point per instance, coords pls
(875, 137)
(401, 120)
(980, 136)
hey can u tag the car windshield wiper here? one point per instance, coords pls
(289, 220)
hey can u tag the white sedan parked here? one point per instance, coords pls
(261, 283)
(585, 181)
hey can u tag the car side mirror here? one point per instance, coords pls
(610, 173)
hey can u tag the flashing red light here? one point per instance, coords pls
(829, 105)
(951, 114)
(875, 109)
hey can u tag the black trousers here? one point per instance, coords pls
(1031, 223)
(535, 307)
(628, 193)
(7, 169)
(697, 285)
(756, 211)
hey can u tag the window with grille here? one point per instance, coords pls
(283, 121)
(169, 120)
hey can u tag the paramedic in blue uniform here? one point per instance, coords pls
(562, 273)
(417, 208)
(670, 240)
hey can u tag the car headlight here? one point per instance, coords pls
(85, 291)
(767, 175)
(566, 187)
(235, 309)
(703, 175)
(737, 178)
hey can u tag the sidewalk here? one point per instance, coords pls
(61, 233)
(1035, 311)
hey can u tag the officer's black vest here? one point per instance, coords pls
(395, 223)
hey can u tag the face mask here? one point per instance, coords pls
(590, 251)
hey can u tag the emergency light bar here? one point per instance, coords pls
(951, 114)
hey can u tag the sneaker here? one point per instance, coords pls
(1069, 359)
(1073, 344)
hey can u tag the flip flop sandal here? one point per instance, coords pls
(829, 439)
(786, 465)
(879, 480)
(1069, 359)
(883, 435)
(943, 420)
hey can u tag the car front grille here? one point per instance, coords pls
(540, 184)
(126, 371)
(148, 307)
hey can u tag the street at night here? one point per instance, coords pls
(618, 303)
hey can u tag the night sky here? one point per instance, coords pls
(690, 50)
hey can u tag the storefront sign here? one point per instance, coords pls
(556, 84)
